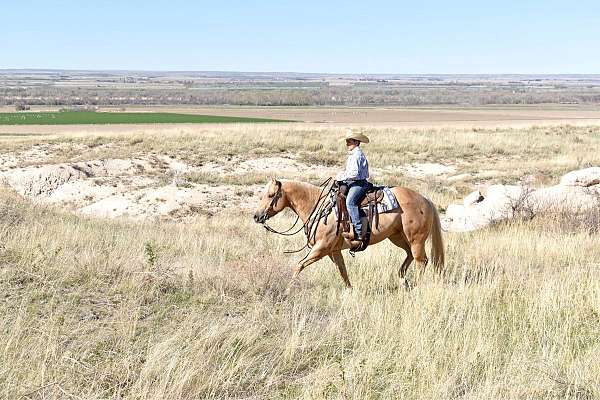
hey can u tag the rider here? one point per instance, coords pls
(355, 176)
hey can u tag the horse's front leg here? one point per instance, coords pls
(338, 259)
(316, 253)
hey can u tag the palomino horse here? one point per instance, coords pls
(407, 227)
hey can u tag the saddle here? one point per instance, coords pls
(372, 197)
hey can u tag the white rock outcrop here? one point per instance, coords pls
(37, 181)
(579, 191)
(561, 198)
(584, 177)
(139, 188)
(497, 204)
(473, 198)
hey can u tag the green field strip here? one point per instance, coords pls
(97, 118)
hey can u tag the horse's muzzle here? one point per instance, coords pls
(260, 217)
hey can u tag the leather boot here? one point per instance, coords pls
(357, 245)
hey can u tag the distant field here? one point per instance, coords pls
(438, 116)
(84, 118)
(459, 117)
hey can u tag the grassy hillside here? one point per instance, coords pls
(104, 309)
(85, 117)
(112, 309)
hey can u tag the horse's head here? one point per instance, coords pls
(272, 201)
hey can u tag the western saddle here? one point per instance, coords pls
(372, 197)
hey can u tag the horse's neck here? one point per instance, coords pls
(302, 198)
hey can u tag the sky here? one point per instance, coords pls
(403, 37)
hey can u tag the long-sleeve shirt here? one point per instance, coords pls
(357, 166)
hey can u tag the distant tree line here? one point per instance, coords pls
(351, 95)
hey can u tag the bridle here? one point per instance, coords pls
(312, 222)
(278, 195)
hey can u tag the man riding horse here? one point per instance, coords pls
(355, 177)
(408, 224)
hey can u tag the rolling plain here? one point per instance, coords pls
(130, 267)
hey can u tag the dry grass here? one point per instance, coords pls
(104, 309)
(535, 149)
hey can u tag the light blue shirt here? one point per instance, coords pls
(357, 166)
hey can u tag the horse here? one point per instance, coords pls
(407, 227)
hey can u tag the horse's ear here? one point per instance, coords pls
(273, 186)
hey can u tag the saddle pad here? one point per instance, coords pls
(388, 203)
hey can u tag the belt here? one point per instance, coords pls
(356, 180)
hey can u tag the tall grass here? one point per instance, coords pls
(99, 309)
(110, 309)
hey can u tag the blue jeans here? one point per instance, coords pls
(356, 190)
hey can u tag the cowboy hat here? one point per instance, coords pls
(356, 135)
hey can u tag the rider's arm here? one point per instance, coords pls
(352, 168)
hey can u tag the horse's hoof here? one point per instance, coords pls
(293, 283)
(283, 296)
(404, 282)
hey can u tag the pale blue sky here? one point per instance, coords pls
(512, 36)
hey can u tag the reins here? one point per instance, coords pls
(312, 222)
(284, 233)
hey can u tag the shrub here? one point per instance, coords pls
(22, 106)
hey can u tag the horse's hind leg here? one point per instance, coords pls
(399, 240)
(418, 250)
(338, 259)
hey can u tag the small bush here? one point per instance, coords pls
(22, 107)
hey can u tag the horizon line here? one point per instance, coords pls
(117, 70)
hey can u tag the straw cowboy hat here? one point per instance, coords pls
(356, 135)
